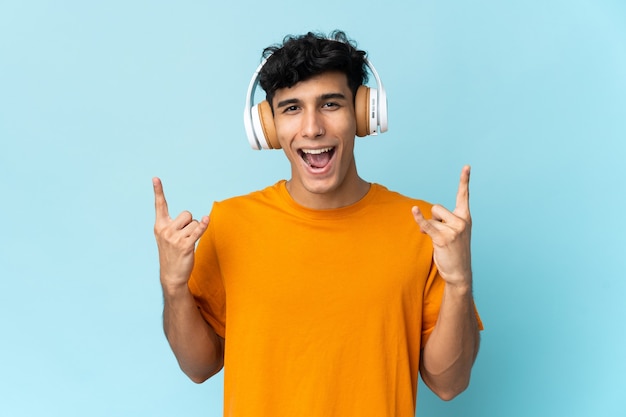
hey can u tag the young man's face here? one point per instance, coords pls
(316, 126)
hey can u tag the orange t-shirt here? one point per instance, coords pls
(324, 312)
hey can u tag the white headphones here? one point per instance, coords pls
(370, 107)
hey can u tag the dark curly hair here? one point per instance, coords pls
(302, 57)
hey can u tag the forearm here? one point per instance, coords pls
(198, 349)
(450, 352)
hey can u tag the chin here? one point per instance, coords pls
(320, 187)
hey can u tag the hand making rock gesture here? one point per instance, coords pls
(176, 240)
(451, 235)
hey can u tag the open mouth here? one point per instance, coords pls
(317, 158)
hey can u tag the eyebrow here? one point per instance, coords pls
(327, 96)
(287, 102)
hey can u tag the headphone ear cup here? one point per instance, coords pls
(267, 125)
(361, 110)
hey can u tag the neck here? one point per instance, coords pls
(347, 194)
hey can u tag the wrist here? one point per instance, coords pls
(172, 289)
(460, 289)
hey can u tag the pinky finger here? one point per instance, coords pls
(431, 227)
(421, 221)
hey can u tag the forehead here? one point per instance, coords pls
(325, 83)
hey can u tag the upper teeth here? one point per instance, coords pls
(316, 151)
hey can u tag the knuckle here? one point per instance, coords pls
(158, 229)
(186, 216)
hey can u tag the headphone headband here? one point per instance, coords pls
(247, 111)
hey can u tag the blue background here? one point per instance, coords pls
(96, 98)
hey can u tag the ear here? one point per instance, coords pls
(361, 111)
(267, 124)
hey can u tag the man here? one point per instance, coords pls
(323, 295)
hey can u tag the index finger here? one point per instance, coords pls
(462, 195)
(160, 204)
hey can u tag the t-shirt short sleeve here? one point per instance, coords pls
(433, 294)
(206, 284)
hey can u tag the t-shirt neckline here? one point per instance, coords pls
(332, 213)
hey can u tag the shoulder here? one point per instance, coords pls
(248, 203)
(386, 197)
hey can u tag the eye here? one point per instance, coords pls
(290, 109)
(330, 105)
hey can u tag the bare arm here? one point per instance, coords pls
(450, 352)
(198, 349)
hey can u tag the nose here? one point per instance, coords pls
(312, 124)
